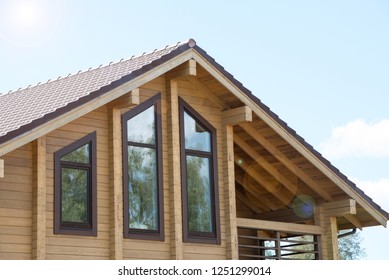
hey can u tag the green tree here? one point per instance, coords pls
(350, 247)
(198, 191)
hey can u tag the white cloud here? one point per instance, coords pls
(377, 190)
(358, 139)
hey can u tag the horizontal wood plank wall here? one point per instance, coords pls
(60, 246)
(150, 249)
(212, 113)
(16, 205)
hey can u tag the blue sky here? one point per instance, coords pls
(322, 66)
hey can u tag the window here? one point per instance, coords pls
(142, 161)
(75, 188)
(199, 178)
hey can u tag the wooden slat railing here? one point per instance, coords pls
(261, 240)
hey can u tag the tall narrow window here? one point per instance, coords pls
(143, 190)
(75, 188)
(199, 178)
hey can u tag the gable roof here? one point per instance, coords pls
(32, 106)
(29, 108)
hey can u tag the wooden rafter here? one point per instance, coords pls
(269, 186)
(314, 186)
(252, 153)
(206, 92)
(258, 195)
(354, 220)
(243, 198)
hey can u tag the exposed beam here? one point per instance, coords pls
(207, 93)
(276, 192)
(354, 220)
(130, 99)
(246, 201)
(237, 115)
(188, 68)
(292, 187)
(1, 168)
(279, 226)
(340, 208)
(316, 187)
(283, 215)
(256, 194)
(280, 130)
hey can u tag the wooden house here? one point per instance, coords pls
(164, 156)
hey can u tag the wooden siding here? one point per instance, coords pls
(212, 114)
(16, 205)
(72, 246)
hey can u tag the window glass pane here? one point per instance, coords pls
(80, 155)
(74, 195)
(141, 128)
(196, 136)
(142, 188)
(199, 194)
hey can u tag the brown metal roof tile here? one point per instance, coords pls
(24, 106)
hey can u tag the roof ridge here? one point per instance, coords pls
(191, 42)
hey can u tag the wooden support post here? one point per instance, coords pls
(39, 200)
(116, 185)
(334, 238)
(1, 168)
(237, 115)
(328, 242)
(174, 171)
(229, 193)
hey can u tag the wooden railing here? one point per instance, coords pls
(262, 240)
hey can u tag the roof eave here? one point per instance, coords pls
(264, 112)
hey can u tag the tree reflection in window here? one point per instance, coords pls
(142, 178)
(199, 179)
(75, 188)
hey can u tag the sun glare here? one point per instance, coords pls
(28, 22)
(26, 15)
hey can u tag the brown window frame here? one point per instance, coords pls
(199, 237)
(158, 234)
(89, 228)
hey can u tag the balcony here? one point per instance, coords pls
(268, 240)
